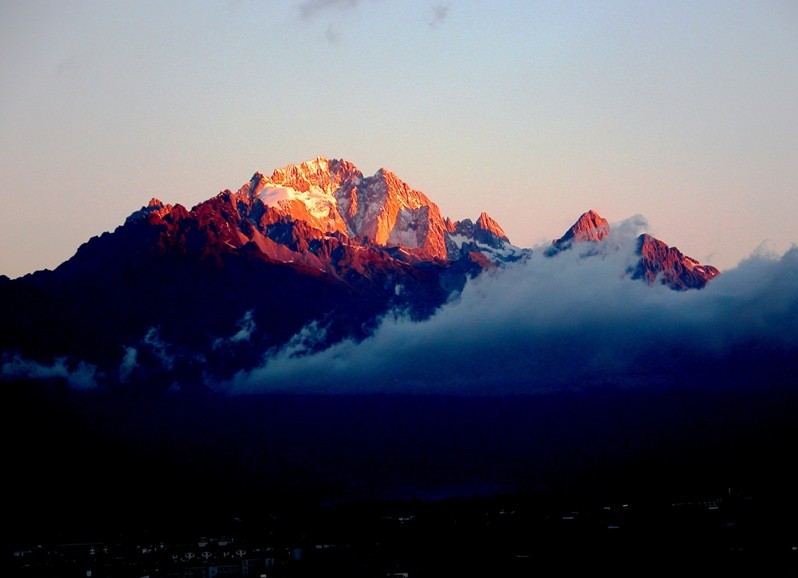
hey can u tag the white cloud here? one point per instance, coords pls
(159, 348)
(567, 321)
(246, 326)
(129, 363)
(82, 376)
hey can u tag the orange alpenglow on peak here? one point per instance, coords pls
(333, 196)
(669, 266)
(486, 223)
(589, 227)
(327, 174)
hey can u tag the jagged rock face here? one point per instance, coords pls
(466, 236)
(333, 196)
(324, 215)
(304, 192)
(303, 213)
(488, 231)
(387, 211)
(210, 228)
(589, 227)
(670, 266)
(657, 260)
(327, 175)
(154, 208)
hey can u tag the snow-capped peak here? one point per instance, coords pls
(332, 195)
(590, 226)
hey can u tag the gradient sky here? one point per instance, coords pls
(685, 112)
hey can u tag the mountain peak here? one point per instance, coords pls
(670, 266)
(322, 173)
(487, 224)
(333, 196)
(590, 226)
(303, 176)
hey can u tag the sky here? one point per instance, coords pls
(684, 112)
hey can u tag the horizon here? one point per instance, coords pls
(533, 113)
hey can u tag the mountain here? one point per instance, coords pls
(323, 201)
(334, 196)
(313, 254)
(588, 227)
(670, 266)
(658, 262)
(315, 244)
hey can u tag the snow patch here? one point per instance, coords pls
(459, 240)
(409, 228)
(506, 252)
(318, 203)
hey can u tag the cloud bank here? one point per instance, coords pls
(80, 376)
(568, 321)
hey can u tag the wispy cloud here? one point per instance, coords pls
(246, 326)
(129, 363)
(68, 66)
(312, 9)
(79, 376)
(439, 14)
(308, 9)
(332, 35)
(159, 348)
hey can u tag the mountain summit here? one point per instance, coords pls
(589, 227)
(334, 196)
(302, 212)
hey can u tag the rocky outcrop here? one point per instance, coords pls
(386, 211)
(333, 196)
(484, 236)
(488, 231)
(589, 227)
(669, 266)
